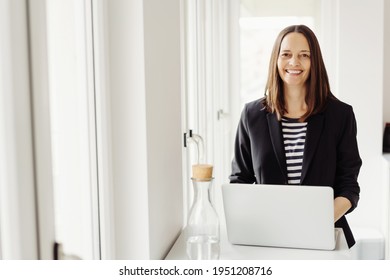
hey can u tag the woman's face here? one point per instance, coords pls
(294, 60)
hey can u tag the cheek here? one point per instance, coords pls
(279, 64)
(308, 71)
(280, 68)
(281, 74)
(308, 66)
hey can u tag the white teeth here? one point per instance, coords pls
(294, 71)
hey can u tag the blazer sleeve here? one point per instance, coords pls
(348, 161)
(242, 167)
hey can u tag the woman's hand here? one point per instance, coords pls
(341, 206)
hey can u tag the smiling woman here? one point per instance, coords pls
(333, 22)
(299, 108)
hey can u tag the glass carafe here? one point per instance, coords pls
(202, 230)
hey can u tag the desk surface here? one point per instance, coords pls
(237, 252)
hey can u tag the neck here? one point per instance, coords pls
(295, 102)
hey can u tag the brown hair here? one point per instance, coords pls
(318, 89)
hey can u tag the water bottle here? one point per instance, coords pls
(202, 231)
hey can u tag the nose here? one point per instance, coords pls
(294, 61)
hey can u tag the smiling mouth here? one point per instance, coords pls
(295, 72)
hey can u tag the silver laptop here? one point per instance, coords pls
(280, 215)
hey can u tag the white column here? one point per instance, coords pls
(163, 122)
(128, 129)
(145, 97)
(42, 131)
(18, 230)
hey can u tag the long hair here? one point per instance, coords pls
(317, 86)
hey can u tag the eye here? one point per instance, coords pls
(305, 55)
(285, 54)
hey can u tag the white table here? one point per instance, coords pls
(237, 252)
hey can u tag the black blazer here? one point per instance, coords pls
(330, 158)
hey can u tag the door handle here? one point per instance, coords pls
(221, 114)
(59, 253)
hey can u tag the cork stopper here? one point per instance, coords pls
(202, 172)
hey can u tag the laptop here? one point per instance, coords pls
(279, 216)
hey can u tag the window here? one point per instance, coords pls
(72, 128)
(64, 128)
(206, 90)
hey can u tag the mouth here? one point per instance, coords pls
(294, 71)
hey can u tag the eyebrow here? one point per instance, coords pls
(290, 51)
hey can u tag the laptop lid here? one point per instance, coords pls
(279, 215)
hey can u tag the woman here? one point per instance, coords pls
(299, 133)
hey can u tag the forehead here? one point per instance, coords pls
(294, 41)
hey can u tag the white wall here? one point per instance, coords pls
(144, 92)
(360, 83)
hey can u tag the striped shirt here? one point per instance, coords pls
(294, 135)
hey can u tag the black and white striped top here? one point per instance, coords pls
(294, 135)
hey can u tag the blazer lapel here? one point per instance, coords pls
(275, 132)
(313, 133)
